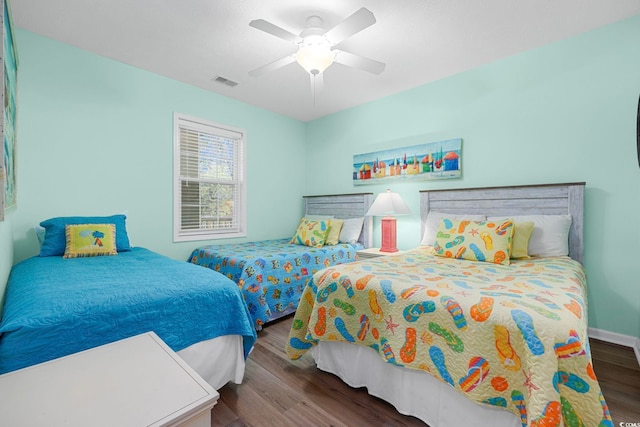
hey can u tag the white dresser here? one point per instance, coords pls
(135, 382)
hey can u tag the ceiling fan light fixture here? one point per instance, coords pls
(316, 46)
(315, 55)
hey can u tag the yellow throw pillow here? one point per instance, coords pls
(87, 240)
(488, 241)
(311, 233)
(521, 236)
(335, 226)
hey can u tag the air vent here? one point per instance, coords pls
(225, 81)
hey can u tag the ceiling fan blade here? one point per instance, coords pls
(278, 63)
(355, 23)
(274, 30)
(359, 62)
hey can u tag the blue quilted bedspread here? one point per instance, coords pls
(55, 306)
(271, 273)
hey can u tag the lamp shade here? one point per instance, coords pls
(315, 55)
(388, 203)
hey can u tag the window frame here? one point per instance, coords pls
(180, 235)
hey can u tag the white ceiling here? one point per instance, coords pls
(194, 41)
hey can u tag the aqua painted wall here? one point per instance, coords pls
(95, 137)
(562, 113)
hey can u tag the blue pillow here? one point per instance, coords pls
(55, 239)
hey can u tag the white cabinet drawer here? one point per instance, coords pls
(134, 382)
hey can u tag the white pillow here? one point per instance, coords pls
(40, 231)
(351, 229)
(550, 236)
(433, 221)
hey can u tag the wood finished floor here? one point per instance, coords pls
(279, 392)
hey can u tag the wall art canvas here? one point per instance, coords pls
(9, 71)
(433, 160)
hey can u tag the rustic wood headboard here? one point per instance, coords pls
(544, 199)
(344, 206)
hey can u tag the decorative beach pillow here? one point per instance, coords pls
(521, 235)
(87, 240)
(311, 233)
(487, 241)
(55, 238)
(433, 222)
(335, 226)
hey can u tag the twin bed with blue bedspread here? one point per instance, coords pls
(272, 274)
(56, 306)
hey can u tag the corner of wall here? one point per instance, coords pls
(615, 338)
(6, 256)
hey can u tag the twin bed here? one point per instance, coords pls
(457, 342)
(56, 306)
(273, 273)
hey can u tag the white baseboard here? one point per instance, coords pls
(616, 338)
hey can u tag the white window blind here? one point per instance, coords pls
(209, 180)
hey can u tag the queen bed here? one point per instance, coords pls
(56, 305)
(273, 273)
(499, 342)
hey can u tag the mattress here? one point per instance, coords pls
(271, 273)
(56, 306)
(509, 337)
(218, 360)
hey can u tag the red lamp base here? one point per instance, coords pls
(388, 226)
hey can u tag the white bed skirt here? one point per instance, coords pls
(411, 392)
(218, 360)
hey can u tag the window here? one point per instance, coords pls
(209, 188)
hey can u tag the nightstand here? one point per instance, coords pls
(373, 253)
(138, 381)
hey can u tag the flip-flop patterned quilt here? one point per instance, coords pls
(510, 336)
(271, 273)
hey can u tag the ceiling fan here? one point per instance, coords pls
(317, 46)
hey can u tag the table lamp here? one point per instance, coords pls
(385, 205)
